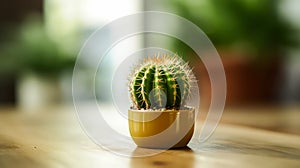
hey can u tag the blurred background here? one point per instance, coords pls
(258, 41)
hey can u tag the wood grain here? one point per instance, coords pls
(53, 138)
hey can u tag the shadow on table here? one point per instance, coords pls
(179, 157)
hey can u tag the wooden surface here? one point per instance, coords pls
(249, 137)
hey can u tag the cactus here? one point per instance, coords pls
(161, 82)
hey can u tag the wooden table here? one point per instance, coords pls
(246, 137)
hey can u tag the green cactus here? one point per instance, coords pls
(161, 82)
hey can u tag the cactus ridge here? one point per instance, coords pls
(161, 82)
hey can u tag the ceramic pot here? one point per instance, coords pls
(161, 129)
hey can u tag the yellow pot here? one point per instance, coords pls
(161, 129)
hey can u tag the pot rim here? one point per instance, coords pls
(187, 109)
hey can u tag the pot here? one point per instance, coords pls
(161, 129)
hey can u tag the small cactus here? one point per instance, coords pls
(161, 82)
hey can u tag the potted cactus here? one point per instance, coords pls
(159, 89)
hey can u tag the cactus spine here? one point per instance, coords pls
(161, 82)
